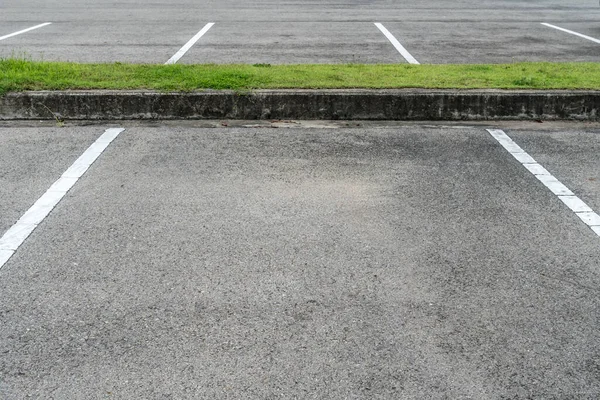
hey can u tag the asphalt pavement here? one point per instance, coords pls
(299, 259)
(327, 260)
(300, 31)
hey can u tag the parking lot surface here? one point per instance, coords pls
(432, 31)
(299, 259)
(366, 261)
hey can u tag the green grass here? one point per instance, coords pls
(21, 75)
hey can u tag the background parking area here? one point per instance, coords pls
(387, 261)
(433, 31)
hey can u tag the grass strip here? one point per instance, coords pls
(22, 75)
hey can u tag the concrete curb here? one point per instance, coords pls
(402, 104)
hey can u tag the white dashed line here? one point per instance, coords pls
(407, 56)
(16, 235)
(571, 32)
(189, 44)
(24, 30)
(575, 204)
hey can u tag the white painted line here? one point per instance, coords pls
(25, 30)
(407, 56)
(189, 44)
(571, 32)
(5, 255)
(554, 185)
(62, 185)
(582, 210)
(516, 150)
(16, 235)
(524, 158)
(536, 169)
(590, 218)
(575, 204)
(35, 215)
(506, 141)
(42, 207)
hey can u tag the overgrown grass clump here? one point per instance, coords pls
(22, 75)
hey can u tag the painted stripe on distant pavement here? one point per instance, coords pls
(407, 56)
(25, 30)
(189, 44)
(571, 32)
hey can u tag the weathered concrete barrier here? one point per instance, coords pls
(359, 104)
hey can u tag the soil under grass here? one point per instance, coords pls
(22, 75)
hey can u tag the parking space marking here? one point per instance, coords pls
(25, 30)
(189, 44)
(407, 56)
(16, 234)
(571, 32)
(575, 204)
